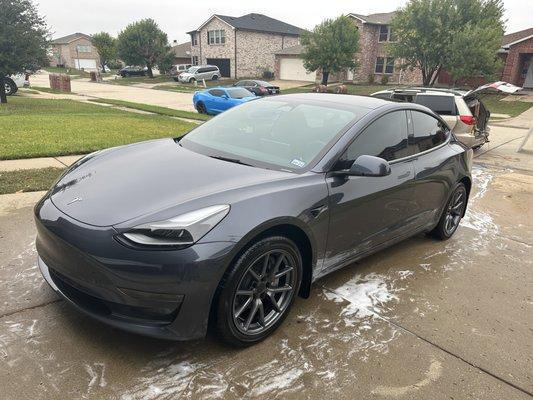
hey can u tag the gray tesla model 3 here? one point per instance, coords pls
(223, 227)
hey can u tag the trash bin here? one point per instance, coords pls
(93, 76)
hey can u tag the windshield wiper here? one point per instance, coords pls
(233, 160)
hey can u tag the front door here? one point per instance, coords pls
(366, 212)
(528, 82)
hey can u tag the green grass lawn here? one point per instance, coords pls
(42, 127)
(29, 180)
(495, 104)
(170, 112)
(140, 79)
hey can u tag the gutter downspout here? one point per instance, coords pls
(235, 37)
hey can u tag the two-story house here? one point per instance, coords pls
(241, 46)
(74, 51)
(373, 58)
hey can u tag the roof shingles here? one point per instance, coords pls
(261, 23)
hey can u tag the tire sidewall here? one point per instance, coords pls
(440, 230)
(237, 270)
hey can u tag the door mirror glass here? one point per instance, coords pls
(369, 166)
(225, 96)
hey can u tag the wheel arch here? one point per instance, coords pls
(467, 181)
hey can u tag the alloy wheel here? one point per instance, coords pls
(455, 211)
(264, 292)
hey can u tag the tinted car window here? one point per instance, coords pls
(238, 93)
(386, 138)
(241, 83)
(200, 70)
(216, 92)
(443, 105)
(428, 132)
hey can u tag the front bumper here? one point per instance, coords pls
(164, 294)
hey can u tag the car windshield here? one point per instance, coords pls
(192, 70)
(263, 83)
(284, 134)
(239, 93)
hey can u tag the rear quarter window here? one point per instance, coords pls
(442, 105)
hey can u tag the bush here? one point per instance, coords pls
(384, 80)
(114, 64)
(371, 79)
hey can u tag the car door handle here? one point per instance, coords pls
(402, 176)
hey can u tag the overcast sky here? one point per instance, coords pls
(176, 17)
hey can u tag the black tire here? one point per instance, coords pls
(452, 213)
(233, 294)
(192, 80)
(11, 87)
(214, 78)
(176, 79)
(200, 107)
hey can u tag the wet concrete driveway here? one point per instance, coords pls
(421, 320)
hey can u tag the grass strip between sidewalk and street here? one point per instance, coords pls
(28, 180)
(34, 127)
(169, 112)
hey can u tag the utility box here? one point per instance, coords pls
(60, 82)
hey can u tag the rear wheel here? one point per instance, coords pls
(451, 217)
(10, 86)
(257, 293)
(215, 77)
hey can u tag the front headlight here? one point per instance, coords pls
(182, 230)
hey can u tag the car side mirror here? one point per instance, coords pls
(225, 96)
(367, 166)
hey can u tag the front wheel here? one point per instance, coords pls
(257, 293)
(200, 107)
(454, 211)
(192, 80)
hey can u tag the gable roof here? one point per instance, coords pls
(258, 23)
(293, 50)
(516, 37)
(69, 38)
(182, 50)
(376, 19)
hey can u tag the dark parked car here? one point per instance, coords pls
(259, 88)
(132, 71)
(225, 226)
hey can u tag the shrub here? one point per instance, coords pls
(371, 79)
(384, 80)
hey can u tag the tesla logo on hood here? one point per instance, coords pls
(74, 200)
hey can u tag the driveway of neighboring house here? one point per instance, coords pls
(83, 87)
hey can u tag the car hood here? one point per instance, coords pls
(122, 183)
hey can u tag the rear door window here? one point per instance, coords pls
(428, 132)
(442, 105)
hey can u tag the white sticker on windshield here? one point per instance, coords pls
(298, 163)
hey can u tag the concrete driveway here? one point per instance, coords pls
(422, 320)
(83, 87)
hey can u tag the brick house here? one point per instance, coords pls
(241, 46)
(517, 54)
(74, 51)
(372, 59)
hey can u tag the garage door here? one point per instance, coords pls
(84, 63)
(223, 65)
(293, 69)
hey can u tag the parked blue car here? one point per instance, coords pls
(220, 99)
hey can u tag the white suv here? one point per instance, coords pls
(14, 82)
(463, 111)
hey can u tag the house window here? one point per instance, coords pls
(194, 39)
(216, 37)
(194, 60)
(83, 48)
(385, 33)
(384, 65)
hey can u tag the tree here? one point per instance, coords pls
(331, 46)
(461, 36)
(165, 62)
(106, 46)
(142, 43)
(23, 39)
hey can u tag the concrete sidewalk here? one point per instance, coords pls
(36, 163)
